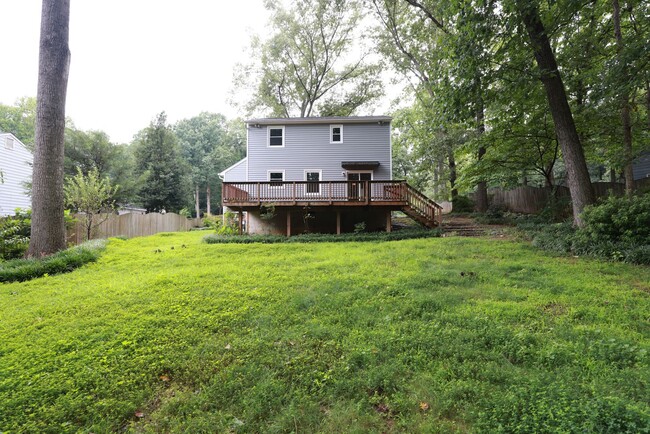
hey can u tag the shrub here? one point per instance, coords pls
(322, 238)
(462, 204)
(20, 270)
(623, 220)
(14, 234)
(212, 221)
(617, 229)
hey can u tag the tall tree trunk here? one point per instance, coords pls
(452, 173)
(48, 225)
(582, 193)
(481, 187)
(197, 206)
(207, 198)
(625, 103)
(647, 102)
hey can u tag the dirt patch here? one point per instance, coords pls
(555, 309)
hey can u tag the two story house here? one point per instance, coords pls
(15, 174)
(327, 174)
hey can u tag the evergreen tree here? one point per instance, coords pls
(158, 158)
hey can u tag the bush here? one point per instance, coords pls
(14, 234)
(322, 238)
(623, 220)
(216, 222)
(462, 204)
(20, 270)
(616, 229)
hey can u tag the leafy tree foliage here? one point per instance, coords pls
(158, 158)
(480, 65)
(88, 150)
(209, 144)
(90, 194)
(20, 120)
(304, 68)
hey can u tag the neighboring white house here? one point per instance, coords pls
(16, 168)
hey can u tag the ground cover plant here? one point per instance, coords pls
(403, 234)
(20, 270)
(618, 228)
(170, 334)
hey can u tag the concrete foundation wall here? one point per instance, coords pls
(317, 221)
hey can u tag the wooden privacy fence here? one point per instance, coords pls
(531, 200)
(131, 225)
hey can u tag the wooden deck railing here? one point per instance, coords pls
(311, 191)
(422, 205)
(397, 193)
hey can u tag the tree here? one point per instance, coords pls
(445, 46)
(158, 158)
(90, 195)
(20, 120)
(301, 70)
(48, 226)
(88, 150)
(578, 178)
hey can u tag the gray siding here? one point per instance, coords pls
(641, 166)
(16, 167)
(236, 172)
(308, 147)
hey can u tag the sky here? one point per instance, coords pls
(132, 59)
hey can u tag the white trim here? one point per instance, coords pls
(268, 135)
(268, 177)
(247, 154)
(390, 148)
(371, 172)
(222, 174)
(332, 142)
(320, 178)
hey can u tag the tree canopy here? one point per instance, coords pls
(308, 66)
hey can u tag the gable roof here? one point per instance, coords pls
(223, 172)
(320, 120)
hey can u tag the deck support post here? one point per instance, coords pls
(389, 223)
(288, 223)
(241, 218)
(338, 222)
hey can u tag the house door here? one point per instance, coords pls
(356, 185)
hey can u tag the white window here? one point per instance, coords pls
(9, 143)
(276, 177)
(313, 178)
(276, 137)
(336, 133)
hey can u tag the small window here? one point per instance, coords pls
(276, 136)
(313, 178)
(276, 178)
(9, 143)
(336, 133)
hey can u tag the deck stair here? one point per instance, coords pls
(421, 209)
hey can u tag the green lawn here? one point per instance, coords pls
(434, 335)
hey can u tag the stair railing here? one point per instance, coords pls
(423, 205)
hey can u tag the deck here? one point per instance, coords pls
(394, 194)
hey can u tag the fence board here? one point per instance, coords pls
(132, 225)
(531, 200)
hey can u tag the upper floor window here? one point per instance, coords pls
(336, 133)
(276, 136)
(9, 143)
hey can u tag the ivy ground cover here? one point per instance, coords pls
(168, 334)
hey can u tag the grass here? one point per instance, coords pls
(168, 334)
(20, 270)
